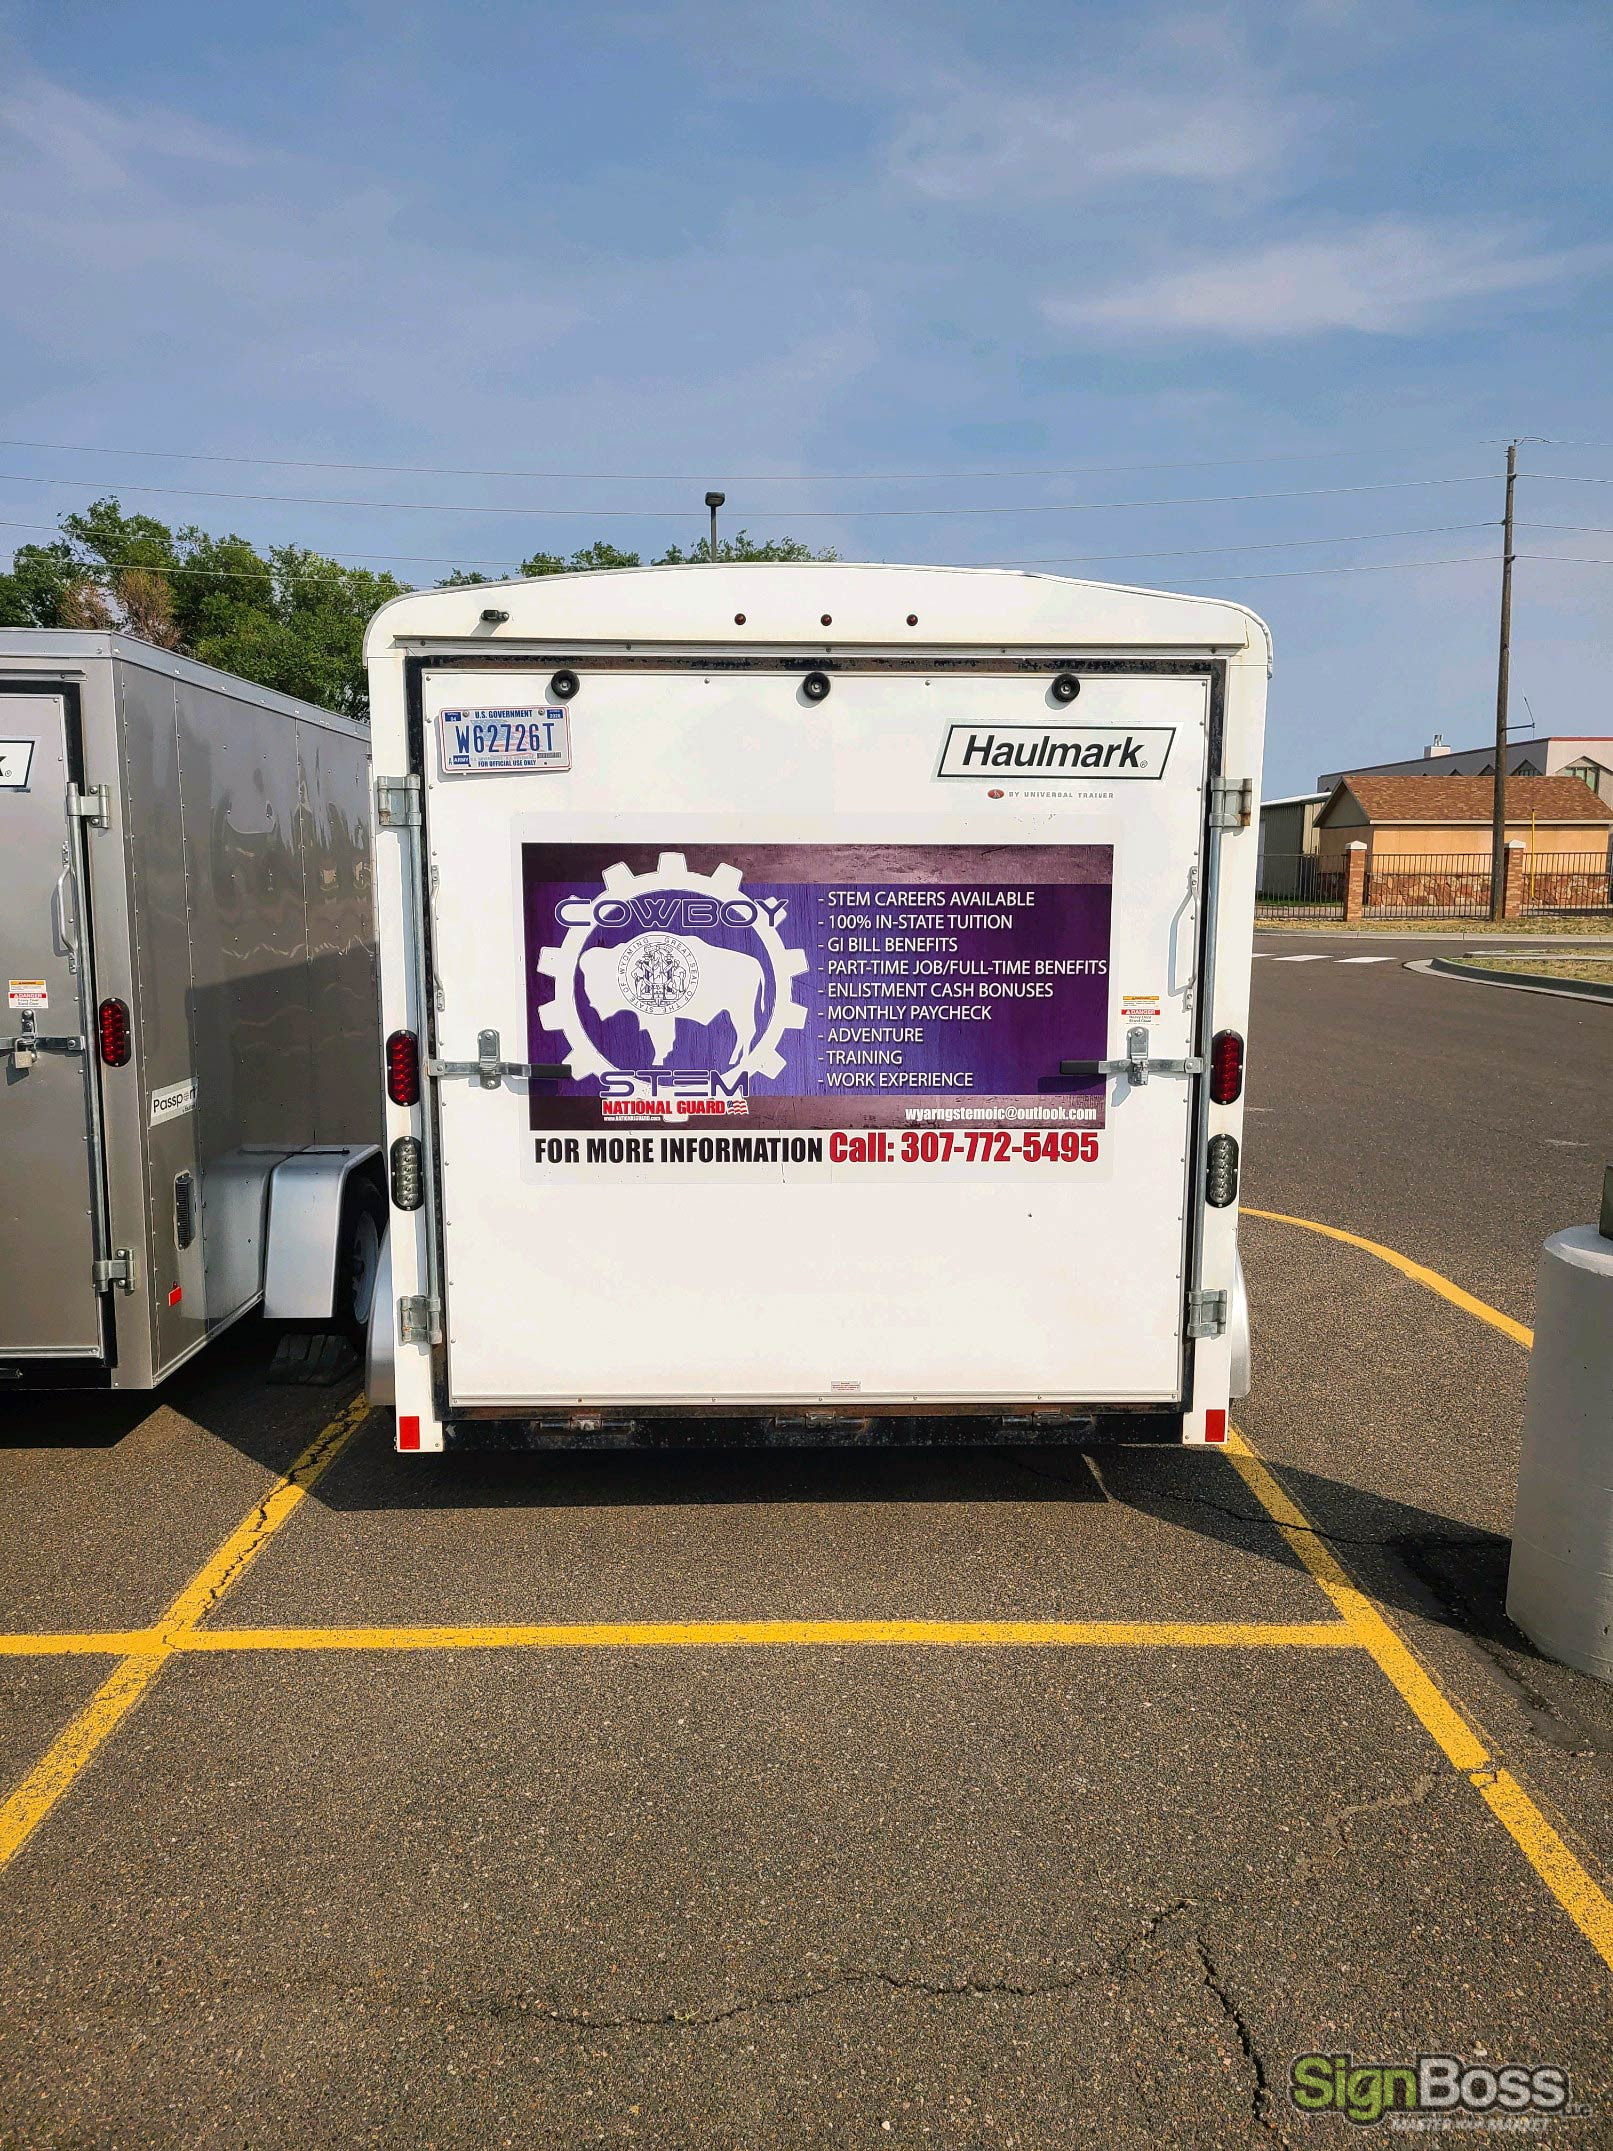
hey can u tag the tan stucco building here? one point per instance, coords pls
(1451, 816)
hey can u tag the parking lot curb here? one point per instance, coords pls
(1568, 989)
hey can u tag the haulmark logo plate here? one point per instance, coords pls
(16, 759)
(1076, 753)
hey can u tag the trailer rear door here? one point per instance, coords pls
(50, 1178)
(811, 967)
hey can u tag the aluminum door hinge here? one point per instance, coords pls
(490, 1071)
(92, 804)
(397, 802)
(1206, 1314)
(419, 1319)
(114, 1269)
(1137, 1066)
(1232, 802)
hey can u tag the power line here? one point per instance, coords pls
(1190, 552)
(445, 470)
(1375, 567)
(1269, 545)
(424, 560)
(1079, 507)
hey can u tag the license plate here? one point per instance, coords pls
(474, 743)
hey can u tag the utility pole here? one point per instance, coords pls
(714, 501)
(1498, 831)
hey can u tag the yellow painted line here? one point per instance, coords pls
(1481, 1310)
(90, 1643)
(32, 1800)
(68, 1753)
(1586, 1905)
(698, 1635)
(1574, 1888)
(1446, 1725)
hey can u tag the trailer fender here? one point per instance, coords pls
(308, 1197)
(380, 1356)
(1238, 1330)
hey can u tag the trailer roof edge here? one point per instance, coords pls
(773, 603)
(61, 648)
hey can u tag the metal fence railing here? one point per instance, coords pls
(1293, 885)
(1427, 885)
(1568, 881)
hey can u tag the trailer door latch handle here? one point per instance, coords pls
(1137, 1067)
(490, 1071)
(27, 1046)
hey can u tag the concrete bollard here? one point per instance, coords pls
(1560, 1584)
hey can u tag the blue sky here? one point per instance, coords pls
(1035, 254)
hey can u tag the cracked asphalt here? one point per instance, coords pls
(843, 1896)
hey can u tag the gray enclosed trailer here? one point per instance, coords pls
(189, 1090)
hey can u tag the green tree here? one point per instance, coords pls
(284, 616)
(601, 554)
(33, 592)
(742, 546)
(288, 618)
(307, 638)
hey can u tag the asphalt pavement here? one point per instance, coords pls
(971, 1894)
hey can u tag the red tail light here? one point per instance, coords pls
(112, 1020)
(1226, 1067)
(403, 1068)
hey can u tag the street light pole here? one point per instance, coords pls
(1498, 830)
(714, 501)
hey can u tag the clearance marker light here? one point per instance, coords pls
(406, 1189)
(1226, 1067)
(112, 1021)
(1221, 1174)
(403, 1068)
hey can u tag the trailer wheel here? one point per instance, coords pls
(358, 1260)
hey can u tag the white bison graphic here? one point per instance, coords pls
(664, 979)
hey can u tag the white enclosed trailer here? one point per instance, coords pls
(814, 1002)
(188, 1118)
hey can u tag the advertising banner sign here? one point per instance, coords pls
(817, 986)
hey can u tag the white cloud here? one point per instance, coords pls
(1389, 276)
(100, 147)
(250, 295)
(1088, 136)
(286, 287)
